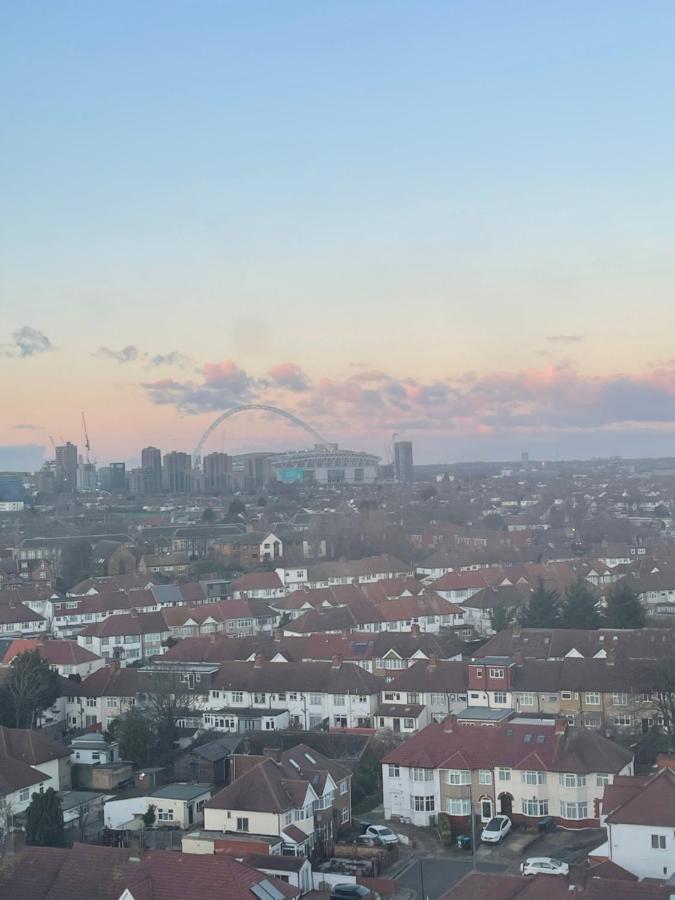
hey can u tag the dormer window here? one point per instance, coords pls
(496, 673)
(479, 673)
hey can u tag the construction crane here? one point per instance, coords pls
(86, 436)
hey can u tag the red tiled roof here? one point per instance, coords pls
(31, 747)
(138, 623)
(257, 581)
(648, 800)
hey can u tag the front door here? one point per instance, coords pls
(486, 809)
(506, 804)
(397, 724)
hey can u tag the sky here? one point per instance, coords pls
(451, 221)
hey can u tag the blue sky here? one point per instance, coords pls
(430, 190)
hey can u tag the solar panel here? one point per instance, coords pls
(265, 890)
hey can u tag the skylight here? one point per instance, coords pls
(310, 758)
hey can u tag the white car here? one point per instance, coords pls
(386, 835)
(544, 865)
(496, 830)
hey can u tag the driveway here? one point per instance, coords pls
(428, 879)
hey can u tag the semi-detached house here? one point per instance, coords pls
(523, 768)
(126, 638)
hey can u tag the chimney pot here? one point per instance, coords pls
(519, 659)
(337, 661)
(450, 724)
(561, 726)
(258, 661)
(415, 630)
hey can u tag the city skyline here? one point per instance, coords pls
(449, 224)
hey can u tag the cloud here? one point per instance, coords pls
(565, 338)
(125, 355)
(550, 400)
(224, 385)
(26, 341)
(28, 427)
(131, 354)
(288, 375)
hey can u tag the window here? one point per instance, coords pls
(527, 699)
(391, 697)
(422, 804)
(438, 699)
(658, 842)
(269, 725)
(565, 695)
(165, 815)
(535, 807)
(479, 673)
(91, 701)
(315, 699)
(259, 698)
(394, 771)
(574, 810)
(338, 700)
(413, 697)
(592, 698)
(620, 699)
(601, 779)
(24, 794)
(484, 776)
(457, 807)
(281, 695)
(408, 724)
(237, 696)
(529, 777)
(500, 697)
(622, 719)
(495, 673)
(344, 815)
(459, 776)
(242, 823)
(570, 780)
(344, 785)
(504, 773)
(112, 702)
(422, 774)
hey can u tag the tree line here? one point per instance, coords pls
(576, 607)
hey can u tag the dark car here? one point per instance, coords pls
(369, 840)
(352, 892)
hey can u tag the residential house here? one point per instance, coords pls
(179, 805)
(207, 759)
(114, 558)
(104, 695)
(170, 565)
(334, 693)
(72, 614)
(259, 586)
(41, 873)
(126, 638)
(34, 748)
(15, 619)
(525, 768)
(265, 799)
(639, 815)
(438, 687)
(558, 643)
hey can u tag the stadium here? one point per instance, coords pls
(325, 464)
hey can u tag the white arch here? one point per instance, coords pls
(247, 406)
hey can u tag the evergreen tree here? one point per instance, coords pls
(543, 610)
(501, 618)
(77, 563)
(578, 608)
(44, 820)
(135, 735)
(623, 608)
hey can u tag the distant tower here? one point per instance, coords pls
(151, 461)
(524, 460)
(403, 462)
(66, 469)
(217, 470)
(118, 477)
(177, 472)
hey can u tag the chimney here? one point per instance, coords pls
(337, 661)
(519, 659)
(560, 726)
(212, 638)
(114, 665)
(450, 724)
(516, 632)
(246, 747)
(611, 656)
(433, 661)
(415, 630)
(258, 661)
(278, 634)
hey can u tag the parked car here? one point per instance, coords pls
(352, 892)
(496, 830)
(386, 835)
(369, 840)
(544, 865)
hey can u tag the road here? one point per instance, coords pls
(439, 875)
